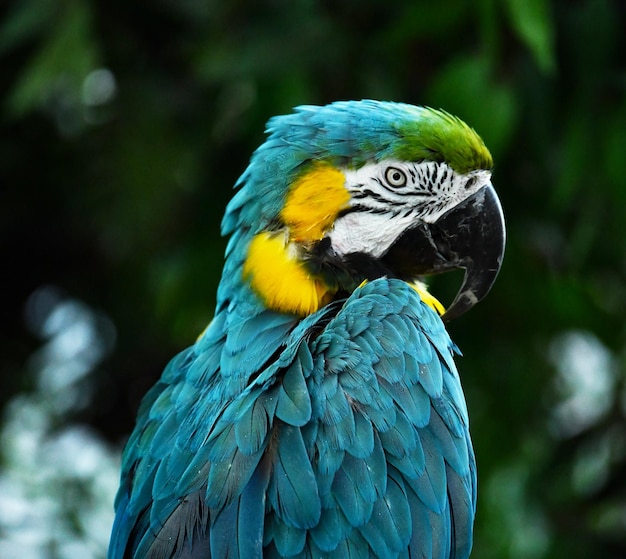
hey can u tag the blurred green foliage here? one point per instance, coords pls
(125, 124)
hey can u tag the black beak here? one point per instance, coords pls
(470, 236)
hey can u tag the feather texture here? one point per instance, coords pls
(333, 441)
(340, 434)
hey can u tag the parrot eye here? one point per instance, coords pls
(395, 177)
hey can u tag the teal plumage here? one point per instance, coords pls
(343, 433)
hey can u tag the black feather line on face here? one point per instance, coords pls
(366, 209)
(345, 272)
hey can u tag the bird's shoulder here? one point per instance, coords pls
(301, 412)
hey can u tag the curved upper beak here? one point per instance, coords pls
(471, 236)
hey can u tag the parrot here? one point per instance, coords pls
(321, 414)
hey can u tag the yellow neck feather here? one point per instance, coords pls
(427, 298)
(273, 267)
(283, 282)
(280, 279)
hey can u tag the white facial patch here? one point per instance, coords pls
(390, 196)
(365, 232)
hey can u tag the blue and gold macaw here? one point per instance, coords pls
(320, 415)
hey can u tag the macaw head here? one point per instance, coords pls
(353, 191)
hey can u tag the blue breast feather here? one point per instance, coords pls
(342, 435)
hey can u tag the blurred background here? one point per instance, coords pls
(124, 125)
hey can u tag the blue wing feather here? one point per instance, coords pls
(344, 434)
(294, 404)
(390, 533)
(292, 491)
(289, 540)
(402, 438)
(363, 443)
(236, 531)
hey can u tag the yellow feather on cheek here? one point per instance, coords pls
(313, 202)
(280, 279)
